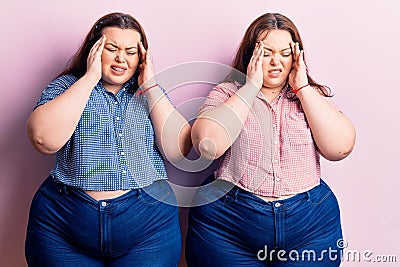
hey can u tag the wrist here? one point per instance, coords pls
(142, 90)
(298, 89)
(306, 92)
(92, 79)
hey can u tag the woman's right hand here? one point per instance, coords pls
(94, 59)
(254, 69)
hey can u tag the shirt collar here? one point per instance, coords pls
(125, 88)
(283, 92)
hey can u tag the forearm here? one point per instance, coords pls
(51, 125)
(332, 131)
(215, 130)
(171, 129)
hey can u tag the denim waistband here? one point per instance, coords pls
(131, 193)
(237, 192)
(67, 189)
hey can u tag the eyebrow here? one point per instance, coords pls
(269, 49)
(115, 46)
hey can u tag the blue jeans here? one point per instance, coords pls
(241, 229)
(69, 228)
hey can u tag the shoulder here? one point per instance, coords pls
(227, 87)
(64, 80)
(56, 88)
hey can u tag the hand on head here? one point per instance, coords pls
(254, 69)
(146, 74)
(298, 74)
(94, 58)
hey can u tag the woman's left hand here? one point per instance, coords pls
(146, 74)
(298, 74)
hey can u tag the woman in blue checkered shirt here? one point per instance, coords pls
(107, 201)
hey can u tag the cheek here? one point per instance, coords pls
(265, 64)
(133, 63)
(105, 59)
(287, 64)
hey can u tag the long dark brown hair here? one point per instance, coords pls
(77, 65)
(266, 22)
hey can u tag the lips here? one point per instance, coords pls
(274, 73)
(118, 70)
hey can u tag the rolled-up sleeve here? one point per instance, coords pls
(56, 88)
(218, 95)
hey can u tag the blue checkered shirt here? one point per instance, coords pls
(113, 146)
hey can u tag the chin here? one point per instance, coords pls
(274, 85)
(120, 81)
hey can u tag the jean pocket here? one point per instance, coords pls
(226, 200)
(319, 194)
(214, 192)
(158, 191)
(52, 189)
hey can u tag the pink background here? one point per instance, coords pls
(353, 46)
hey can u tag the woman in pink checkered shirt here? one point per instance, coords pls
(268, 128)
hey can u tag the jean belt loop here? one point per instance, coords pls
(65, 188)
(237, 189)
(139, 191)
(308, 195)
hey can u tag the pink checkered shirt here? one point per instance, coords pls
(274, 154)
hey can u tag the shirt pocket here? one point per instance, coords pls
(92, 121)
(298, 131)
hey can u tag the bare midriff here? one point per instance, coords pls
(269, 199)
(99, 195)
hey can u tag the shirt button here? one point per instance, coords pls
(277, 205)
(120, 134)
(117, 118)
(123, 171)
(276, 161)
(103, 203)
(116, 102)
(275, 142)
(278, 179)
(122, 153)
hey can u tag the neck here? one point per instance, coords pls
(271, 93)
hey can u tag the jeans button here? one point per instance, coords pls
(277, 205)
(103, 203)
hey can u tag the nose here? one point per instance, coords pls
(274, 60)
(120, 57)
